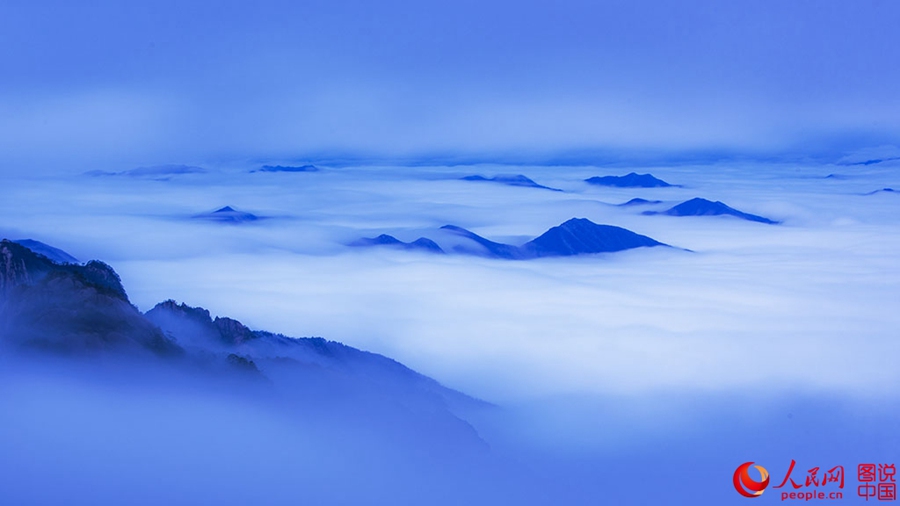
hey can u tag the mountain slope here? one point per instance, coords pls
(55, 254)
(511, 180)
(83, 311)
(69, 308)
(228, 214)
(581, 236)
(631, 180)
(576, 236)
(703, 207)
(422, 243)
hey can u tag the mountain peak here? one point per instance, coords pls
(289, 168)
(228, 214)
(69, 307)
(20, 265)
(422, 243)
(55, 254)
(581, 236)
(511, 180)
(575, 236)
(630, 180)
(189, 324)
(702, 207)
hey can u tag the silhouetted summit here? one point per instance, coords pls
(577, 236)
(422, 243)
(289, 168)
(69, 308)
(631, 180)
(82, 312)
(490, 248)
(57, 255)
(640, 202)
(511, 180)
(227, 214)
(703, 207)
(580, 236)
(883, 190)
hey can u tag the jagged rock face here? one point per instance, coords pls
(14, 267)
(21, 266)
(195, 326)
(232, 331)
(55, 254)
(69, 308)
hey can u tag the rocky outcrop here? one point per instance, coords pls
(69, 308)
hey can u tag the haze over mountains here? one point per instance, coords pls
(422, 243)
(288, 168)
(589, 358)
(578, 236)
(55, 254)
(511, 180)
(82, 312)
(153, 171)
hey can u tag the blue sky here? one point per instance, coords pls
(104, 83)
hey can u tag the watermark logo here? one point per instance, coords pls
(876, 482)
(747, 486)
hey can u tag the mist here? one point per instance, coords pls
(265, 347)
(101, 85)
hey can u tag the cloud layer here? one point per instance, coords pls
(159, 82)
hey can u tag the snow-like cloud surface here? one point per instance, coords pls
(806, 304)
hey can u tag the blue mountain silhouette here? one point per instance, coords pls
(80, 312)
(883, 190)
(55, 254)
(516, 180)
(640, 202)
(288, 168)
(580, 236)
(577, 236)
(228, 214)
(422, 243)
(631, 180)
(703, 207)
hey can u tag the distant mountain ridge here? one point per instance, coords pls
(639, 202)
(84, 310)
(702, 207)
(422, 243)
(82, 314)
(630, 180)
(883, 190)
(69, 308)
(511, 180)
(156, 171)
(287, 168)
(57, 255)
(576, 236)
(227, 214)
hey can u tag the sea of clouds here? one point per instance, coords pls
(744, 342)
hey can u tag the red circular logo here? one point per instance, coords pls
(747, 486)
